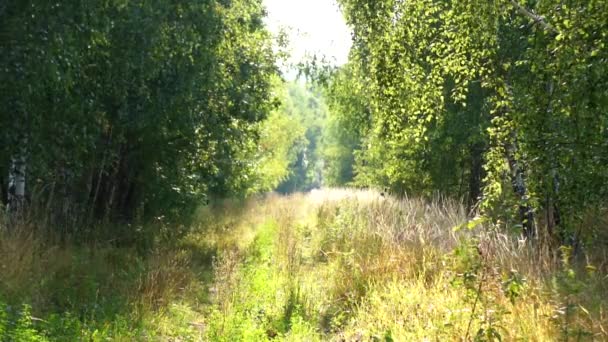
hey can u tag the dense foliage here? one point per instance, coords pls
(499, 101)
(131, 109)
(142, 141)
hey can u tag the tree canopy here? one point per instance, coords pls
(131, 108)
(501, 102)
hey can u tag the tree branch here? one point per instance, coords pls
(534, 17)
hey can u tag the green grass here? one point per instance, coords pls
(330, 265)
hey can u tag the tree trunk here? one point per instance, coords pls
(16, 182)
(553, 216)
(552, 208)
(518, 181)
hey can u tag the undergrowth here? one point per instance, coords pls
(330, 265)
(356, 266)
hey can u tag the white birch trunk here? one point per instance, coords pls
(16, 182)
(519, 187)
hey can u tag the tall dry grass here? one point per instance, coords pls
(78, 291)
(333, 264)
(366, 266)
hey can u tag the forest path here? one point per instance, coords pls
(355, 265)
(266, 256)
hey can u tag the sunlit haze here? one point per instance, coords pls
(313, 26)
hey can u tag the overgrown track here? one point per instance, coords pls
(357, 266)
(328, 265)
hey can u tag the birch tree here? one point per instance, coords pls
(506, 98)
(135, 110)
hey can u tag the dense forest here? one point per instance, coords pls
(161, 178)
(122, 109)
(487, 101)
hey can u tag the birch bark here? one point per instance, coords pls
(16, 181)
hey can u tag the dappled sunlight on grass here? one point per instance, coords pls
(338, 264)
(360, 265)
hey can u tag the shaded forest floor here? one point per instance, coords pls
(328, 265)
